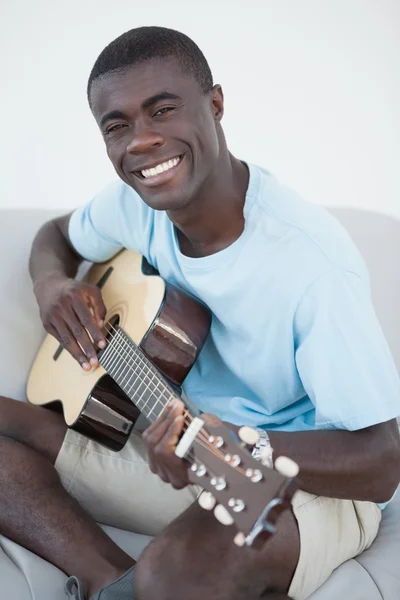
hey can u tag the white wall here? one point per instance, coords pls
(311, 90)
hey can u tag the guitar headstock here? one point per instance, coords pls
(240, 490)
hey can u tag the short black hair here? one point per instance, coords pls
(147, 43)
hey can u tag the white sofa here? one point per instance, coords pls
(372, 576)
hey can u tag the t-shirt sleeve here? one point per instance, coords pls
(115, 218)
(342, 356)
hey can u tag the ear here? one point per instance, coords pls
(217, 100)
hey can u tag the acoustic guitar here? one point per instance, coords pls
(154, 333)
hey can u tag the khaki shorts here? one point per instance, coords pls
(118, 489)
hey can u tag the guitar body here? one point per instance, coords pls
(154, 334)
(168, 326)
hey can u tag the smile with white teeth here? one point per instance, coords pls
(161, 168)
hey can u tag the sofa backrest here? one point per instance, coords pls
(21, 330)
(376, 235)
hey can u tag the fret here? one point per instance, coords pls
(145, 397)
(136, 375)
(121, 357)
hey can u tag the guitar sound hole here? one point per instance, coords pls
(100, 284)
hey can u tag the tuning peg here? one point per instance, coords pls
(239, 539)
(222, 515)
(248, 435)
(286, 467)
(206, 500)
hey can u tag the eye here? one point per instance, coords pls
(114, 128)
(164, 110)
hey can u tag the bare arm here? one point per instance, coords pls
(71, 311)
(52, 253)
(360, 465)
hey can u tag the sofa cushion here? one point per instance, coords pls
(382, 559)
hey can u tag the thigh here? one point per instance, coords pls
(331, 532)
(39, 428)
(195, 558)
(118, 488)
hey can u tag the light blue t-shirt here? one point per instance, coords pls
(294, 343)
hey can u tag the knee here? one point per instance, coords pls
(13, 421)
(9, 459)
(36, 427)
(6, 403)
(20, 465)
(156, 573)
(9, 416)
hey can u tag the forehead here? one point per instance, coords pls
(127, 90)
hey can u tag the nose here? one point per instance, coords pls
(144, 138)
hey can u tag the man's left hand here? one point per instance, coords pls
(161, 438)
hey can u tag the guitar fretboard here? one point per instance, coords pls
(134, 373)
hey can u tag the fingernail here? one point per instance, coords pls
(101, 323)
(93, 361)
(101, 344)
(173, 403)
(86, 366)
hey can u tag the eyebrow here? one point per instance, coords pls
(118, 114)
(113, 114)
(157, 98)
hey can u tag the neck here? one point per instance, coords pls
(214, 219)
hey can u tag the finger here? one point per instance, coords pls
(171, 438)
(153, 434)
(181, 482)
(163, 457)
(163, 416)
(80, 335)
(67, 341)
(164, 451)
(95, 300)
(177, 470)
(174, 407)
(156, 469)
(89, 322)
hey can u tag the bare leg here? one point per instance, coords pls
(36, 512)
(195, 558)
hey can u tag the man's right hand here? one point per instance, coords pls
(73, 312)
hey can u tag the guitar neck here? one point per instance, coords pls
(136, 376)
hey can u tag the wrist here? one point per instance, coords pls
(40, 283)
(263, 450)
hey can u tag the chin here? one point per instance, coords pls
(166, 202)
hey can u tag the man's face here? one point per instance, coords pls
(161, 132)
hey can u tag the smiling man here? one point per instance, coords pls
(295, 350)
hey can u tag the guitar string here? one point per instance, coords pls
(203, 435)
(218, 453)
(189, 457)
(117, 335)
(146, 375)
(152, 382)
(206, 445)
(165, 390)
(205, 438)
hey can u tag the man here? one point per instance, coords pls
(295, 350)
